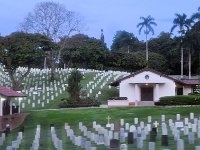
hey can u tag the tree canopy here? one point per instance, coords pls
(53, 20)
(83, 51)
(21, 49)
(181, 22)
(125, 42)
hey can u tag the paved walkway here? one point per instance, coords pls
(101, 106)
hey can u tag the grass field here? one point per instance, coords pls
(87, 116)
(39, 81)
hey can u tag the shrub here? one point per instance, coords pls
(84, 102)
(179, 100)
(118, 98)
(74, 85)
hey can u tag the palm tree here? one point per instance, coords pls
(192, 41)
(196, 16)
(147, 25)
(184, 24)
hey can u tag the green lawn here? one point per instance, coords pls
(87, 115)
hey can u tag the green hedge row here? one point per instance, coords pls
(84, 102)
(179, 100)
(118, 98)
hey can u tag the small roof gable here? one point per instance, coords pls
(8, 92)
(116, 83)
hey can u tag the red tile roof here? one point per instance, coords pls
(191, 81)
(8, 92)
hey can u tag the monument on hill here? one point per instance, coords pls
(102, 36)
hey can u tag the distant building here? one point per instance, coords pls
(146, 86)
(9, 114)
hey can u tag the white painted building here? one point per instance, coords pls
(146, 87)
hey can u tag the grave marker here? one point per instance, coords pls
(130, 137)
(152, 146)
(180, 144)
(108, 124)
(191, 138)
(114, 144)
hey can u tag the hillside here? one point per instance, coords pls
(44, 94)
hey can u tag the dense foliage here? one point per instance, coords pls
(179, 100)
(125, 42)
(74, 85)
(22, 49)
(81, 51)
(84, 102)
(127, 52)
(74, 90)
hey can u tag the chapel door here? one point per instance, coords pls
(146, 93)
(6, 107)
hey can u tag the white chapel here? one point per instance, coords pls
(146, 86)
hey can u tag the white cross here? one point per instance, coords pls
(108, 119)
(156, 124)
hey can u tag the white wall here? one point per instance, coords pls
(117, 103)
(187, 90)
(128, 89)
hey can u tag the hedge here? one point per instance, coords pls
(84, 102)
(118, 98)
(179, 100)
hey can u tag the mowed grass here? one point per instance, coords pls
(87, 116)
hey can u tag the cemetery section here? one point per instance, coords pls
(43, 94)
(163, 132)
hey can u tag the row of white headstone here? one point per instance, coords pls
(36, 142)
(140, 130)
(16, 143)
(40, 92)
(80, 141)
(56, 141)
(2, 138)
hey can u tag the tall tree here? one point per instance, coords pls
(166, 46)
(125, 42)
(82, 51)
(184, 24)
(146, 24)
(192, 43)
(21, 49)
(53, 20)
(196, 16)
(74, 85)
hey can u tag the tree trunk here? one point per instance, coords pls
(53, 68)
(147, 53)
(181, 29)
(45, 62)
(181, 62)
(17, 84)
(189, 63)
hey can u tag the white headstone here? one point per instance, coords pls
(135, 120)
(178, 117)
(180, 144)
(163, 118)
(149, 119)
(122, 122)
(191, 115)
(186, 121)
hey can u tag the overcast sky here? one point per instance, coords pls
(109, 15)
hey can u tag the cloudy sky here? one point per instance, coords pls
(109, 15)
